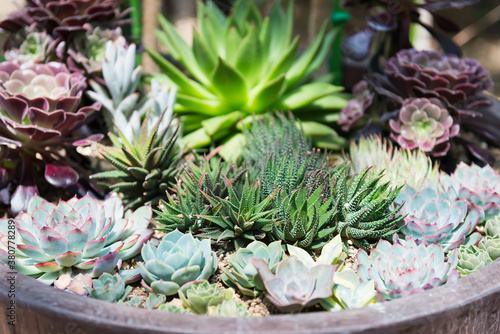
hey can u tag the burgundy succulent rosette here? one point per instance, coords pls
(428, 74)
(39, 110)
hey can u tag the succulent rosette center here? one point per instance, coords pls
(425, 124)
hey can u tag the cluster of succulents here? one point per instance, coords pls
(262, 210)
(423, 99)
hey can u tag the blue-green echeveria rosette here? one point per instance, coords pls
(477, 185)
(405, 268)
(79, 234)
(425, 124)
(431, 216)
(178, 259)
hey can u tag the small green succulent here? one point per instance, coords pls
(350, 293)
(176, 260)
(109, 287)
(155, 300)
(135, 301)
(363, 205)
(144, 168)
(242, 275)
(491, 245)
(331, 253)
(471, 258)
(231, 309)
(492, 227)
(171, 308)
(198, 297)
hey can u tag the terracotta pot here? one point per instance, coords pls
(471, 305)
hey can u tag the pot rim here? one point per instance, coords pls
(447, 301)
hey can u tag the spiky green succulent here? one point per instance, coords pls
(245, 64)
(492, 227)
(399, 166)
(245, 215)
(109, 287)
(176, 260)
(350, 293)
(305, 219)
(363, 206)
(144, 168)
(471, 258)
(200, 296)
(242, 275)
(186, 203)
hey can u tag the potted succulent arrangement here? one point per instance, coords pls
(240, 185)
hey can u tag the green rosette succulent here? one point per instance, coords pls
(431, 216)
(295, 285)
(154, 301)
(491, 245)
(231, 309)
(78, 234)
(478, 185)
(242, 275)
(405, 268)
(109, 287)
(471, 258)
(492, 227)
(245, 64)
(199, 297)
(363, 206)
(176, 260)
(398, 165)
(173, 309)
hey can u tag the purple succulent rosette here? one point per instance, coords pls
(432, 74)
(357, 107)
(478, 185)
(63, 18)
(38, 111)
(79, 234)
(432, 216)
(424, 124)
(406, 267)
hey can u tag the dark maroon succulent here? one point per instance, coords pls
(455, 81)
(39, 111)
(62, 18)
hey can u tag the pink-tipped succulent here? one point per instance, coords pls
(39, 109)
(477, 185)
(78, 234)
(431, 216)
(406, 268)
(424, 124)
(357, 107)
